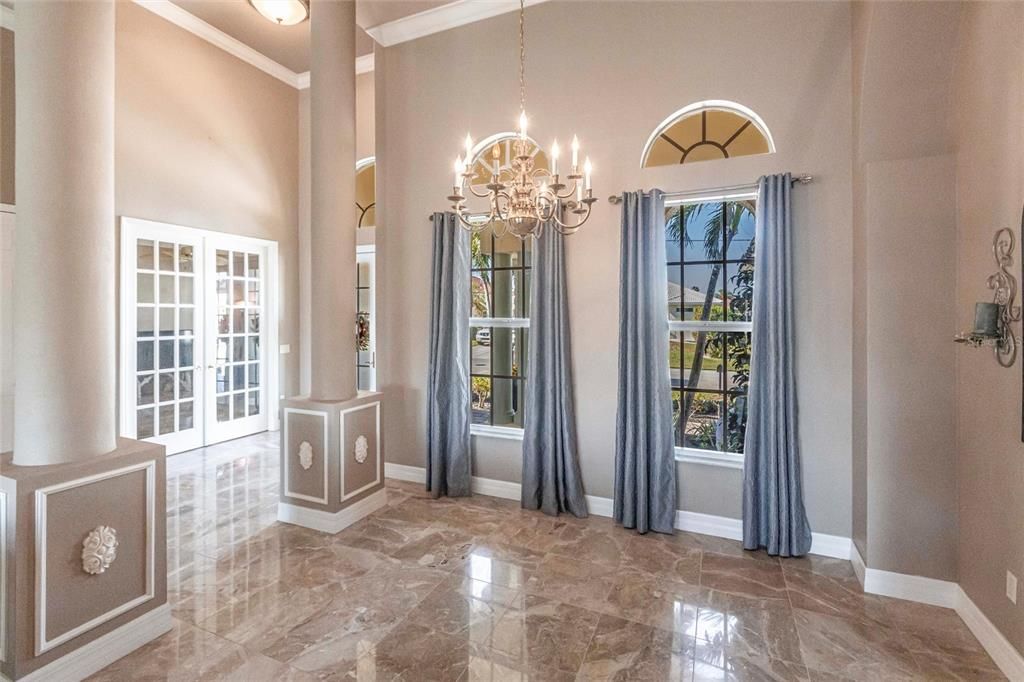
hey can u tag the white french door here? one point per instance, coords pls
(195, 365)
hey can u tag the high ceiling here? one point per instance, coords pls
(289, 45)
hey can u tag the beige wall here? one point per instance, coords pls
(205, 140)
(904, 253)
(629, 72)
(6, 116)
(990, 191)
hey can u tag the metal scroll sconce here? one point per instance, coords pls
(993, 321)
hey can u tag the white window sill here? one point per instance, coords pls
(502, 432)
(727, 460)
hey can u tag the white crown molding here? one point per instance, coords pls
(193, 24)
(437, 19)
(364, 64)
(694, 522)
(6, 18)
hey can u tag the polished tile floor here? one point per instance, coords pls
(477, 589)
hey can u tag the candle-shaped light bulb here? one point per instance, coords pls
(495, 157)
(469, 147)
(522, 125)
(458, 171)
(575, 152)
(587, 168)
(554, 157)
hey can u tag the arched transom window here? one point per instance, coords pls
(366, 192)
(705, 131)
(499, 148)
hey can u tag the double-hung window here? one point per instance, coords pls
(498, 331)
(710, 258)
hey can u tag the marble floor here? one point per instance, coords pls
(477, 589)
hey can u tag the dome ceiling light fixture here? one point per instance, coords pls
(522, 198)
(282, 12)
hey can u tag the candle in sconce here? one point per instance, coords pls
(986, 319)
(575, 153)
(587, 168)
(522, 125)
(554, 158)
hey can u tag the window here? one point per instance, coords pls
(498, 328)
(500, 305)
(706, 131)
(366, 192)
(710, 254)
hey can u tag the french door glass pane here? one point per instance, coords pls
(161, 313)
(238, 343)
(144, 254)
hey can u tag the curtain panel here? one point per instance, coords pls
(645, 466)
(448, 419)
(551, 471)
(773, 507)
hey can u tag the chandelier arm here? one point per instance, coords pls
(483, 195)
(566, 228)
(569, 191)
(473, 227)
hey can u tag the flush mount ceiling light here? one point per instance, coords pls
(522, 198)
(282, 12)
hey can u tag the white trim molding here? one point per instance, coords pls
(708, 105)
(43, 643)
(102, 651)
(437, 19)
(343, 450)
(326, 522)
(694, 522)
(501, 432)
(1005, 655)
(288, 492)
(8, 208)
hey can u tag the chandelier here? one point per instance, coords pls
(522, 197)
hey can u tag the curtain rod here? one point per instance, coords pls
(734, 189)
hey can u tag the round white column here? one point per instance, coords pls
(332, 206)
(64, 310)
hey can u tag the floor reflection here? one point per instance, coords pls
(478, 589)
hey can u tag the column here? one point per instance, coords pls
(91, 524)
(64, 312)
(332, 448)
(333, 217)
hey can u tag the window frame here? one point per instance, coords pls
(717, 458)
(490, 430)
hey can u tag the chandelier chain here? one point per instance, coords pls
(522, 55)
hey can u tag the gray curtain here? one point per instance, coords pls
(645, 466)
(773, 503)
(448, 461)
(551, 471)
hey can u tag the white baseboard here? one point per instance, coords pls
(327, 522)
(694, 522)
(403, 472)
(911, 587)
(102, 651)
(1009, 660)
(858, 563)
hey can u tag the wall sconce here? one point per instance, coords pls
(992, 321)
